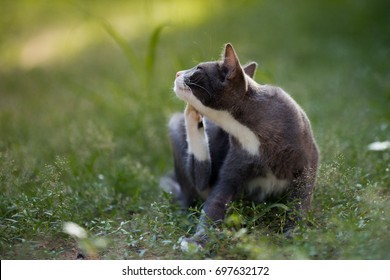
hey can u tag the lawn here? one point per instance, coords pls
(86, 93)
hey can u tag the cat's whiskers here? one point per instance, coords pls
(199, 86)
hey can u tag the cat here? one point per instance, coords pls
(235, 139)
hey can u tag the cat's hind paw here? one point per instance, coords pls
(192, 115)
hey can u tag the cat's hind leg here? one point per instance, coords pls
(178, 182)
(198, 161)
(192, 166)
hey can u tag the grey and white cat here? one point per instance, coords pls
(237, 139)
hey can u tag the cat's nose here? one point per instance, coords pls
(179, 73)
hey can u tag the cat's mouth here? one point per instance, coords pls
(182, 90)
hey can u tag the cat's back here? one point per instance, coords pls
(282, 127)
(275, 97)
(270, 107)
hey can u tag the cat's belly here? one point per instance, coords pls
(260, 188)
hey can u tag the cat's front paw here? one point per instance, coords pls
(191, 244)
(194, 243)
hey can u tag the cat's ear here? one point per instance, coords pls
(231, 62)
(250, 69)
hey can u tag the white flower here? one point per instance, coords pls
(75, 230)
(379, 146)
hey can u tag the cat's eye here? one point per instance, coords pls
(199, 68)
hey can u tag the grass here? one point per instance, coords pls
(83, 134)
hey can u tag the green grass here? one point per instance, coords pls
(86, 92)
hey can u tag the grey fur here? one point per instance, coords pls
(287, 147)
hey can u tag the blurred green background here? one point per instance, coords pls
(86, 93)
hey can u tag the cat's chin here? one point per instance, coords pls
(183, 92)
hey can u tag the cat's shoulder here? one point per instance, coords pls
(267, 91)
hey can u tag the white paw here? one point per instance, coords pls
(190, 245)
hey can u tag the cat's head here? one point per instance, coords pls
(217, 84)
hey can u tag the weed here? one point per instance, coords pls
(143, 69)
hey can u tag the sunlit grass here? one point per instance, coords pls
(43, 39)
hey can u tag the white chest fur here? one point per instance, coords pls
(260, 188)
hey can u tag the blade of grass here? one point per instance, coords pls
(151, 55)
(124, 46)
